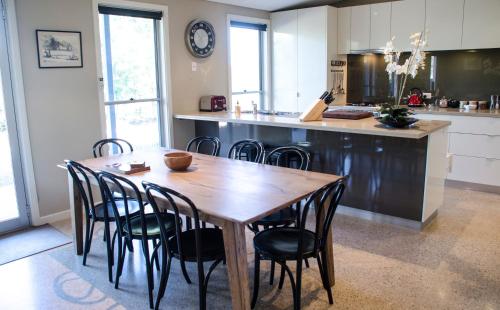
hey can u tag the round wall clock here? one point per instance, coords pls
(200, 38)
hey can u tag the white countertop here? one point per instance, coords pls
(367, 126)
(457, 112)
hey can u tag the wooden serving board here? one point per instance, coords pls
(347, 114)
(126, 169)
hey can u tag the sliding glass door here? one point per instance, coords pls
(131, 75)
(13, 205)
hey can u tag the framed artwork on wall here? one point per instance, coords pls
(59, 49)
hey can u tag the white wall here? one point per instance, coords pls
(62, 104)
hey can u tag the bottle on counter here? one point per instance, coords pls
(254, 106)
(237, 109)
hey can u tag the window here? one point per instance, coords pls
(131, 73)
(248, 54)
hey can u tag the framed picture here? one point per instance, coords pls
(59, 49)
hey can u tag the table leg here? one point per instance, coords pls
(237, 264)
(329, 246)
(76, 212)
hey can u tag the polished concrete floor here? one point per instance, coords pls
(453, 264)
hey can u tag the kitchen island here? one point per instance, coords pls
(395, 175)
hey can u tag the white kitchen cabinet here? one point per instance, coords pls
(474, 145)
(486, 146)
(380, 25)
(304, 42)
(360, 28)
(344, 30)
(284, 63)
(443, 22)
(481, 24)
(407, 18)
(312, 60)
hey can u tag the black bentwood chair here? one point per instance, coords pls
(282, 244)
(140, 226)
(96, 212)
(206, 145)
(249, 150)
(290, 157)
(192, 245)
(97, 148)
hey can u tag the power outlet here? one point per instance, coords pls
(194, 66)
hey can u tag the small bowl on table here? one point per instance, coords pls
(178, 160)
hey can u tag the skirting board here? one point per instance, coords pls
(385, 219)
(473, 186)
(51, 218)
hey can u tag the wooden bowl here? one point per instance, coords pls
(178, 161)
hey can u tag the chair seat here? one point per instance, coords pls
(281, 243)
(152, 227)
(212, 244)
(283, 217)
(133, 208)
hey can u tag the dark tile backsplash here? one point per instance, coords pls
(465, 75)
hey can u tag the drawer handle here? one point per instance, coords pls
(491, 159)
(493, 136)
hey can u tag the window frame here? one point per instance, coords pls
(163, 41)
(265, 63)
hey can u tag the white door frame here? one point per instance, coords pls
(21, 114)
(166, 88)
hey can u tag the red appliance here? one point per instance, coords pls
(213, 103)
(416, 98)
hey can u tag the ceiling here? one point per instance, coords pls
(277, 5)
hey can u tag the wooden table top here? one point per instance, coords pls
(228, 189)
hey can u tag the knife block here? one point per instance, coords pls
(314, 112)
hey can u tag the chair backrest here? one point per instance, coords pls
(249, 150)
(212, 144)
(153, 191)
(325, 200)
(285, 156)
(111, 142)
(83, 184)
(128, 193)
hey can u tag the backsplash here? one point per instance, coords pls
(469, 75)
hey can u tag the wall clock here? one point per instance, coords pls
(200, 38)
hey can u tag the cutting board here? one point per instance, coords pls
(347, 114)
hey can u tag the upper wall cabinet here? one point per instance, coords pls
(344, 30)
(408, 17)
(312, 60)
(443, 22)
(304, 41)
(360, 27)
(481, 24)
(380, 25)
(284, 51)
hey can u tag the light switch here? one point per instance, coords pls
(194, 66)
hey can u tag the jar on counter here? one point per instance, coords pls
(443, 103)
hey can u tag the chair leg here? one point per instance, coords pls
(113, 247)
(298, 286)
(271, 276)
(165, 271)
(201, 287)
(256, 280)
(108, 251)
(282, 278)
(149, 272)
(184, 272)
(88, 237)
(327, 278)
(130, 246)
(155, 254)
(292, 283)
(307, 262)
(121, 254)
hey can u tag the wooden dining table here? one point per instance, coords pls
(228, 193)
